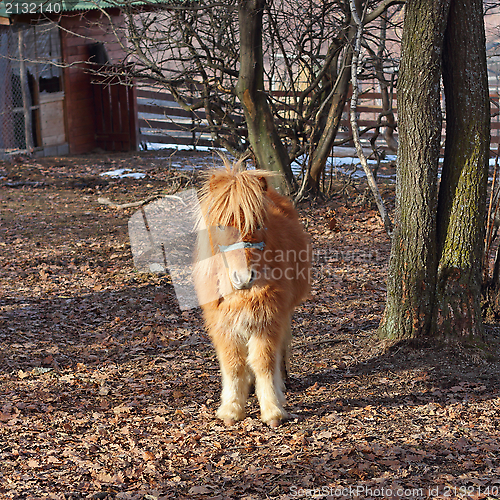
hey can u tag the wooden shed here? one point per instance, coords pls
(51, 101)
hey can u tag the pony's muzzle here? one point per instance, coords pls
(242, 279)
(241, 274)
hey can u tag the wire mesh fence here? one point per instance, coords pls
(15, 99)
(30, 69)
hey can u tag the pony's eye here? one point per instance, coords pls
(221, 228)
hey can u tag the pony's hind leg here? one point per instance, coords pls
(285, 355)
(235, 381)
(264, 358)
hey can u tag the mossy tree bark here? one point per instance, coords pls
(267, 146)
(435, 265)
(413, 262)
(463, 189)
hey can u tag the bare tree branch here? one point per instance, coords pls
(354, 124)
(380, 9)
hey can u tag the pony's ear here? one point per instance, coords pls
(263, 183)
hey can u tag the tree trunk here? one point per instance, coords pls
(463, 189)
(329, 132)
(321, 118)
(434, 277)
(411, 279)
(387, 109)
(266, 144)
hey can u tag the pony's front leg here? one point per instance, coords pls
(264, 357)
(235, 380)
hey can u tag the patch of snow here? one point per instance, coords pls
(124, 172)
(157, 146)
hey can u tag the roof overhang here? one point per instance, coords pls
(9, 8)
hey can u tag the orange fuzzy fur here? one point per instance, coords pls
(250, 328)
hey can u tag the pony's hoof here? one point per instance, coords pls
(273, 416)
(276, 420)
(230, 413)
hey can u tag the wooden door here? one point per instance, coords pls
(115, 111)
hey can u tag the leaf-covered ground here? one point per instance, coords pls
(108, 390)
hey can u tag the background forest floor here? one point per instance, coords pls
(108, 390)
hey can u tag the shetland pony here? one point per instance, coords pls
(252, 268)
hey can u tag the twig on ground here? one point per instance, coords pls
(109, 203)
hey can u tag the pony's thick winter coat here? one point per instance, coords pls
(252, 269)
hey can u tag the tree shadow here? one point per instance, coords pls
(406, 373)
(92, 328)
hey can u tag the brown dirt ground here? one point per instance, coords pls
(108, 390)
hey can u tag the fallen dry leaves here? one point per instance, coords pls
(109, 391)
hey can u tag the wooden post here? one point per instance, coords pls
(25, 92)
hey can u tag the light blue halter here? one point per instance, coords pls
(241, 244)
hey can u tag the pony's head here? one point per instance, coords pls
(234, 205)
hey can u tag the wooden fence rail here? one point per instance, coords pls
(163, 121)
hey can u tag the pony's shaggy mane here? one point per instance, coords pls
(235, 197)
